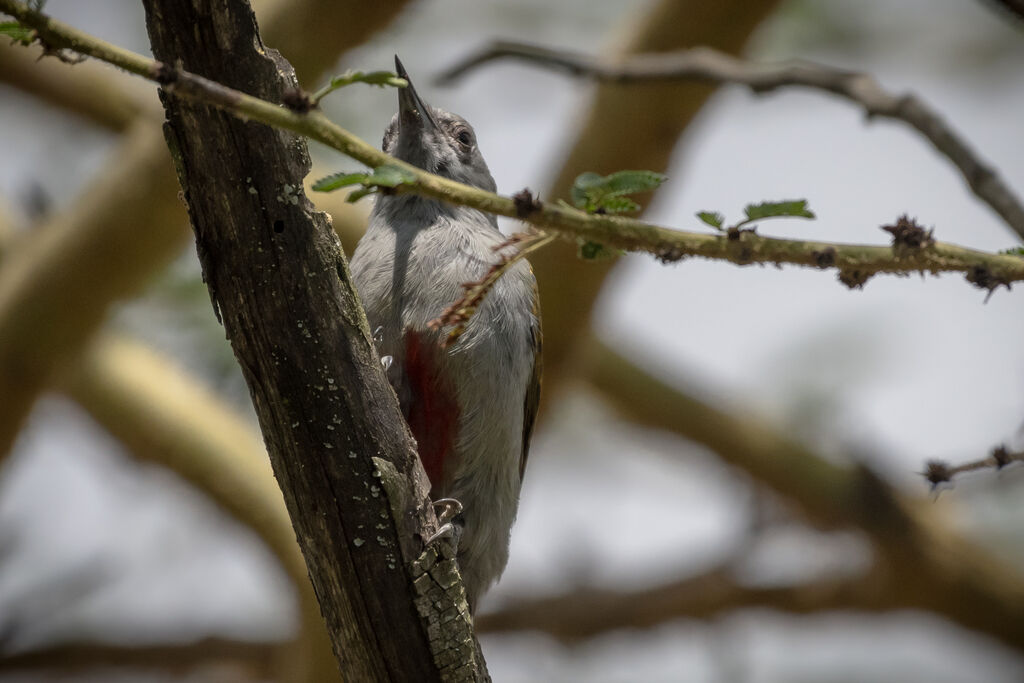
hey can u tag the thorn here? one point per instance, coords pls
(525, 203)
(937, 472)
(1001, 456)
(298, 100)
(826, 258)
(983, 278)
(733, 234)
(907, 232)
(670, 255)
(853, 278)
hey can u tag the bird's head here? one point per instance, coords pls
(435, 140)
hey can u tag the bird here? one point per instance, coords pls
(471, 404)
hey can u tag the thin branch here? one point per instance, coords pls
(706, 64)
(939, 472)
(855, 263)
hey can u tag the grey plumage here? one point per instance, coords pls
(408, 268)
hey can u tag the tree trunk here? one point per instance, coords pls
(341, 452)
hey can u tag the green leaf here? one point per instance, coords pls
(387, 175)
(390, 176)
(17, 32)
(592, 192)
(582, 186)
(595, 251)
(631, 182)
(338, 180)
(796, 208)
(1013, 251)
(356, 195)
(712, 218)
(378, 78)
(619, 205)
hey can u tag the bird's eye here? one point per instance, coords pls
(464, 137)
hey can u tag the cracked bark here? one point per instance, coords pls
(279, 281)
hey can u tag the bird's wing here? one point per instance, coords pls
(533, 387)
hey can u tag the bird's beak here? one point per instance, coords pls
(412, 110)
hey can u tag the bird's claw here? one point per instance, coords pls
(447, 509)
(444, 531)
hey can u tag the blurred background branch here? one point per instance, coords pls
(218, 658)
(589, 612)
(162, 415)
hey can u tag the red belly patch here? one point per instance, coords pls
(433, 412)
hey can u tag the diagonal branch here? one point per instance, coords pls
(161, 415)
(855, 263)
(932, 568)
(706, 64)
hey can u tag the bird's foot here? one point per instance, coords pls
(447, 509)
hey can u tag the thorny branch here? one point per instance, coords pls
(855, 263)
(939, 472)
(706, 64)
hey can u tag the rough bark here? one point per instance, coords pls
(340, 449)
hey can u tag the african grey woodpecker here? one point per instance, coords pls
(470, 405)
